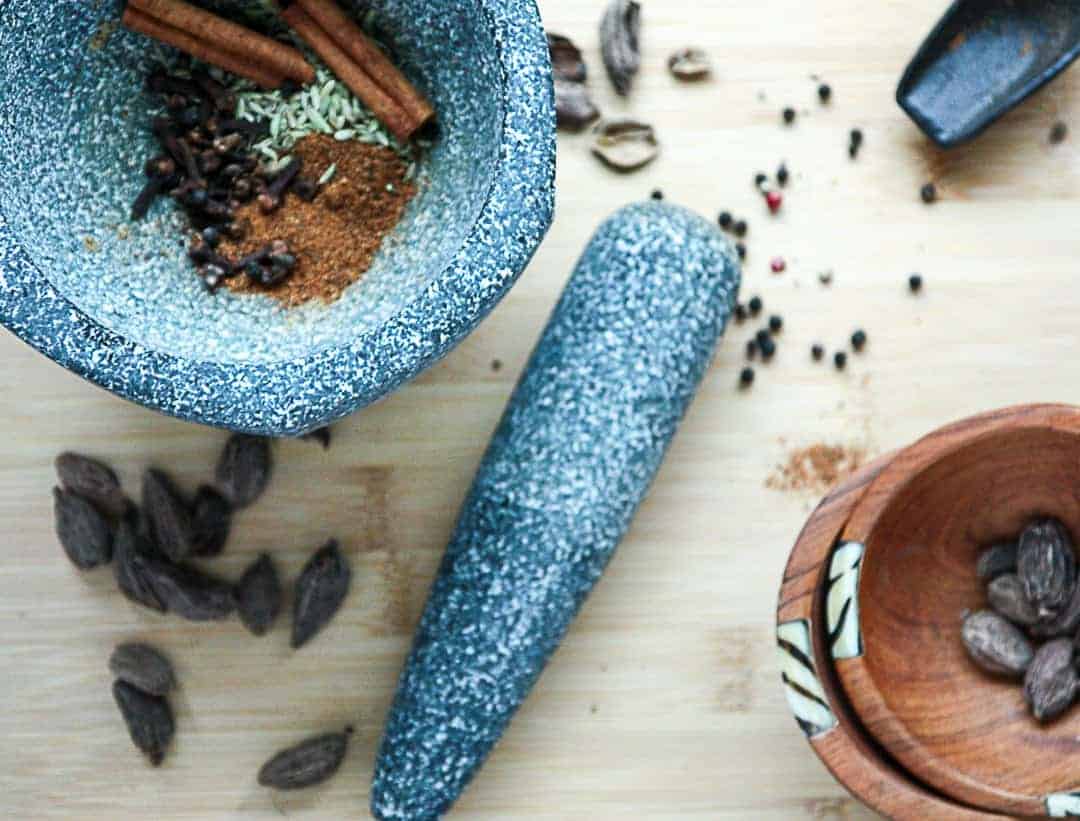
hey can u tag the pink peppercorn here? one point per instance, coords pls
(778, 265)
(774, 199)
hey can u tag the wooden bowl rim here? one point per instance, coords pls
(842, 744)
(866, 699)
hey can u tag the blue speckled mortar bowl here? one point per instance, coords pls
(119, 304)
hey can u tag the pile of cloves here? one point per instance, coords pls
(206, 164)
(1034, 597)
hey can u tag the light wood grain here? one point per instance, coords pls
(665, 700)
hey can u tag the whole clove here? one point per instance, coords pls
(270, 200)
(154, 187)
(620, 43)
(223, 99)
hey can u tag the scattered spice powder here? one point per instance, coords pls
(336, 236)
(816, 468)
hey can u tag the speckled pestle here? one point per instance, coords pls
(575, 453)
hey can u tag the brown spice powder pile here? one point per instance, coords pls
(335, 237)
(816, 468)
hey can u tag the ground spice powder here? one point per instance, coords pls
(335, 237)
(816, 468)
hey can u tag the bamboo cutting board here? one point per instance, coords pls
(665, 700)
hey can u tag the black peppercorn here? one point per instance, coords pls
(1058, 132)
(782, 175)
(789, 115)
(725, 219)
(915, 283)
(751, 348)
(740, 312)
(211, 236)
(746, 377)
(740, 228)
(755, 304)
(762, 336)
(776, 323)
(768, 348)
(928, 193)
(740, 249)
(657, 194)
(858, 340)
(840, 360)
(855, 143)
(760, 179)
(817, 352)
(824, 92)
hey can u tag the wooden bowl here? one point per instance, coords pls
(906, 576)
(813, 690)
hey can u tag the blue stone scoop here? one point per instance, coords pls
(982, 59)
(575, 453)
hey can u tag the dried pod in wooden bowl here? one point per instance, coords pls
(620, 43)
(625, 145)
(690, 64)
(1006, 595)
(997, 560)
(1064, 623)
(1051, 681)
(995, 644)
(1046, 565)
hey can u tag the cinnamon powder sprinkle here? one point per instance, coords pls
(816, 468)
(334, 238)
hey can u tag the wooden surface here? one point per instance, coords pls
(928, 516)
(665, 701)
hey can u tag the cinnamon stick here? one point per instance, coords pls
(229, 36)
(207, 52)
(382, 105)
(366, 54)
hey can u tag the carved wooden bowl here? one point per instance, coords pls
(813, 690)
(900, 581)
